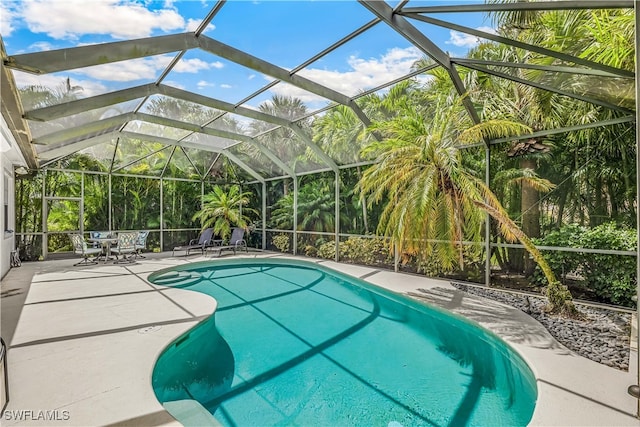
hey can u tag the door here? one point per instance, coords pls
(62, 216)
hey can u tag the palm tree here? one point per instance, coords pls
(603, 36)
(224, 210)
(532, 107)
(316, 206)
(434, 202)
(340, 134)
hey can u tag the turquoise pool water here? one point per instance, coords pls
(293, 343)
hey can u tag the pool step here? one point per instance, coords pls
(190, 413)
(178, 278)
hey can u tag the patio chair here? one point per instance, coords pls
(141, 243)
(235, 242)
(80, 248)
(205, 239)
(126, 246)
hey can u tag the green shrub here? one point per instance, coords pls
(310, 250)
(366, 251)
(473, 265)
(281, 241)
(611, 277)
(327, 250)
(562, 263)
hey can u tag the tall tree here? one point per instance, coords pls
(433, 201)
(223, 210)
(340, 134)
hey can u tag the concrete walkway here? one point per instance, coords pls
(83, 342)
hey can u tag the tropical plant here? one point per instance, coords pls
(224, 210)
(595, 166)
(316, 208)
(273, 137)
(611, 277)
(433, 201)
(327, 250)
(367, 251)
(340, 134)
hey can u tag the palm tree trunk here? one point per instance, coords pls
(530, 213)
(363, 203)
(628, 189)
(613, 200)
(561, 204)
(560, 300)
(596, 216)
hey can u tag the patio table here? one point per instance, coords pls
(106, 243)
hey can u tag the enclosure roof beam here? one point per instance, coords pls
(195, 145)
(63, 150)
(104, 100)
(316, 150)
(400, 24)
(602, 123)
(12, 112)
(51, 152)
(52, 61)
(243, 165)
(549, 68)
(84, 56)
(84, 131)
(220, 105)
(139, 159)
(70, 108)
(541, 133)
(239, 57)
(534, 6)
(526, 46)
(549, 88)
(79, 57)
(215, 132)
(113, 123)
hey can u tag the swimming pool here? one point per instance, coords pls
(292, 342)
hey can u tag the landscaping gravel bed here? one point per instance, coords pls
(603, 336)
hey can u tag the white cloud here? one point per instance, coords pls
(204, 83)
(143, 68)
(7, 17)
(193, 24)
(195, 65)
(119, 18)
(251, 77)
(459, 39)
(226, 86)
(364, 74)
(41, 46)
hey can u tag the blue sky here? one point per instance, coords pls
(285, 33)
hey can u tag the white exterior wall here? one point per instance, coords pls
(10, 157)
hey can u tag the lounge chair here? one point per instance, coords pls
(235, 242)
(80, 248)
(126, 246)
(205, 240)
(141, 243)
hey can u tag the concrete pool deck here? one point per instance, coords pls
(83, 342)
